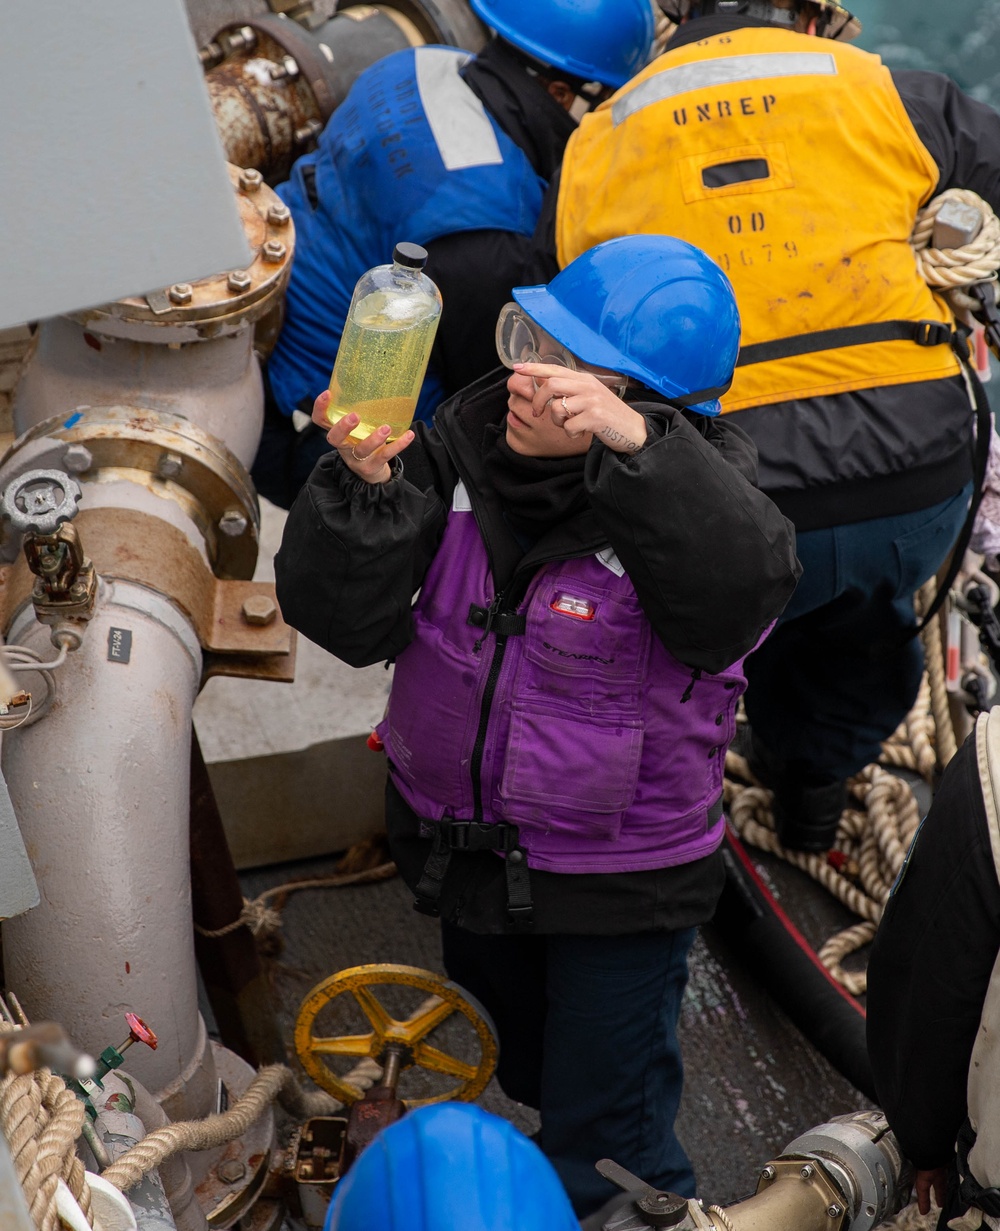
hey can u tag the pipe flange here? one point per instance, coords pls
(40, 501)
(864, 1159)
(170, 456)
(223, 303)
(304, 49)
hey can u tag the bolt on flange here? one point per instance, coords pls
(233, 523)
(77, 459)
(231, 1170)
(239, 280)
(169, 466)
(180, 293)
(250, 180)
(273, 251)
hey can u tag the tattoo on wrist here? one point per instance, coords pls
(619, 438)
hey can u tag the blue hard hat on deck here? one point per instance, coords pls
(451, 1167)
(651, 307)
(595, 40)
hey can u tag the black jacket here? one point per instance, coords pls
(930, 968)
(875, 452)
(711, 558)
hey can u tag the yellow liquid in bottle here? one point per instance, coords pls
(382, 360)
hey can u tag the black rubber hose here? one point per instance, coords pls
(756, 927)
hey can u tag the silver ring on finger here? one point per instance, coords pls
(564, 406)
(354, 454)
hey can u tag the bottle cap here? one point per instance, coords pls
(411, 255)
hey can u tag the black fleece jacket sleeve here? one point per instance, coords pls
(353, 554)
(961, 135)
(711, 558)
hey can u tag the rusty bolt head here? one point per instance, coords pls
(260, 609)
(169, 465)
(78, 591)
(231, 1170)
(250, 180)
(239, 280)
(180, 293)
(273, 251)
(308, 131)
(77, 459)
(278, 215)
(233, 523)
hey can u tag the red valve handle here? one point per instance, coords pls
(139, 1032)
(374, 743)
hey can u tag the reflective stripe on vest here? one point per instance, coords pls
(457, 118)
(793, 164)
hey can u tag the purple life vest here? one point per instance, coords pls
(604, 749)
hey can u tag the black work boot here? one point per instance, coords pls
(807, 808)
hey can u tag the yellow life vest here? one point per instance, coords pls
(792, 162)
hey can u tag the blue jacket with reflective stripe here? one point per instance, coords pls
(411, 154)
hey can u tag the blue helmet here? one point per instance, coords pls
(595, 40)
(451, 1167)
(650, 306)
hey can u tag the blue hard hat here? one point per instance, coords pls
(596, 40)
(451, 1167)
(650, 306)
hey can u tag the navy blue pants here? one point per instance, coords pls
(588, 1036)
(832, 682)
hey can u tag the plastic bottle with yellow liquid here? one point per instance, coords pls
(385, 345)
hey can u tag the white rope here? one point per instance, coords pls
(41, 1120)
(951, 268)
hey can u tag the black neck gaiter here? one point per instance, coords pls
(536, 493)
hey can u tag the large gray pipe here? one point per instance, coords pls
(100, 789)
(100, 783)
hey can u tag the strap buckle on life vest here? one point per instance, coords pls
(451, 836)
(503, 623)
(478, 836)
(932, 333)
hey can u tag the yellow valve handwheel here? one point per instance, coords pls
(444, 999)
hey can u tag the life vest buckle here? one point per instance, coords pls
(932, 333)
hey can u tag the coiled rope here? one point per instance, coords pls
(41, 1120)
(875, 832)
(951, 268)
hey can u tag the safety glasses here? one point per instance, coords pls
(521, 340)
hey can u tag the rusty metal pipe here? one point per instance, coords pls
(271, 100)
(274, 84)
